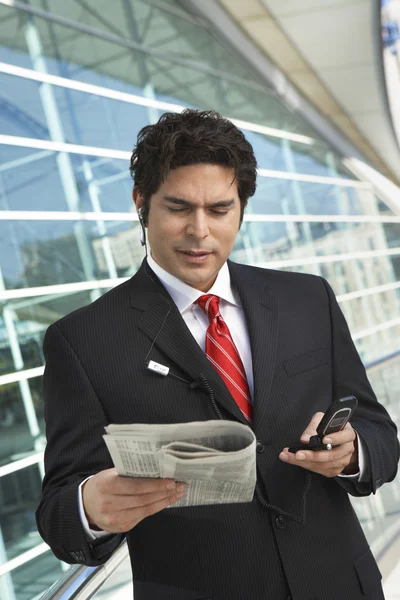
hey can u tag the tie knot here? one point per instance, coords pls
(210, 305)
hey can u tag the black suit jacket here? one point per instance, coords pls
(303, 356)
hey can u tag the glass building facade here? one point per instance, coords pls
(78, 79)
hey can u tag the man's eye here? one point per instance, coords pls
(175, 209)
(219, 212)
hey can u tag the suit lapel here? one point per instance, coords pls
(163, 324)
(261, 313)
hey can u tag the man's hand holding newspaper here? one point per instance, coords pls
(215, 459)
(208, 462)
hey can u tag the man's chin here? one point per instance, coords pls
(202, 282)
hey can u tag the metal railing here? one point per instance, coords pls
(82, 583)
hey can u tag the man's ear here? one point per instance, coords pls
(242, 209)
(137, 198)
(139, 203)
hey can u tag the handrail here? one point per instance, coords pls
(387, 358)
(81, 583)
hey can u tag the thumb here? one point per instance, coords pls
(311, 428)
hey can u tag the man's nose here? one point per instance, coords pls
(198, 226)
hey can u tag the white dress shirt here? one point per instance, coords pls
(231, 310)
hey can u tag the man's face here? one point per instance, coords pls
(193, 221)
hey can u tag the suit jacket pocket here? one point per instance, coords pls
(306, 362)
(146, 590)
(369, 575)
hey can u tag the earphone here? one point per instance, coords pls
(143, 230)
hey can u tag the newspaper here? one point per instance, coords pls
(216, 459)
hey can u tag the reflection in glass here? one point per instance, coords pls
(33, 578)
(38, 253)
(84, 56)
(27, 175)
(19, 497)
(79, 112)
(282, 196)
(270, 241)
(17, 438)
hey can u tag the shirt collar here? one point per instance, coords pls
(184, 295)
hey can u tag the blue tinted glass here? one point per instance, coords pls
(37, 253)
(282, 196)
(30, 180)
(76, 117)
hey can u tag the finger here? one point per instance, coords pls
(129, 486)
(123, 503)
(324, 456)
(341, 437)
(295, 459)
(312, 459)
(155, 507)
(124, 521)
(311, 428)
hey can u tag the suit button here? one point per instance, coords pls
(260, 447)
(280, 522)
(289, 598)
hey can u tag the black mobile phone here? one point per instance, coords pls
(337, 416)
(334, 420)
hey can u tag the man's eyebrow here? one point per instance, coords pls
(183, 202)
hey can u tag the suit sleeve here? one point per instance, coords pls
(370, 420)
(75, 422)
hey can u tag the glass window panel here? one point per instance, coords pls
(309, 159)
(20, 494)
(30, 580)
(82, 118)
(341, 170)
(16, 437)
(72, 54)
(180, 84)
(11, 49)
(31, 317)
(154, 26)
(95, 121)
(54, 252)
(21, 111)
(283, 196)
(314, 159)
(266, 242)
(112, 182)
(93, 14)
(376, 345)
(119, 585)
(30, 180)
(37, 253)
(80, 55)
(386, 383)
(392, 233)
(268, 151)
(30, 320)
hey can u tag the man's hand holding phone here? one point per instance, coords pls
(342, 459)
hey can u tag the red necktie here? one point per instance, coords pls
(223, 355)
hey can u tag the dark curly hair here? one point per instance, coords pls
(187, 138)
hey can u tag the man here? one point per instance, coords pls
(289, 355)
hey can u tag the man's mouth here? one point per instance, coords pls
(195, 256)
(195, 252)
